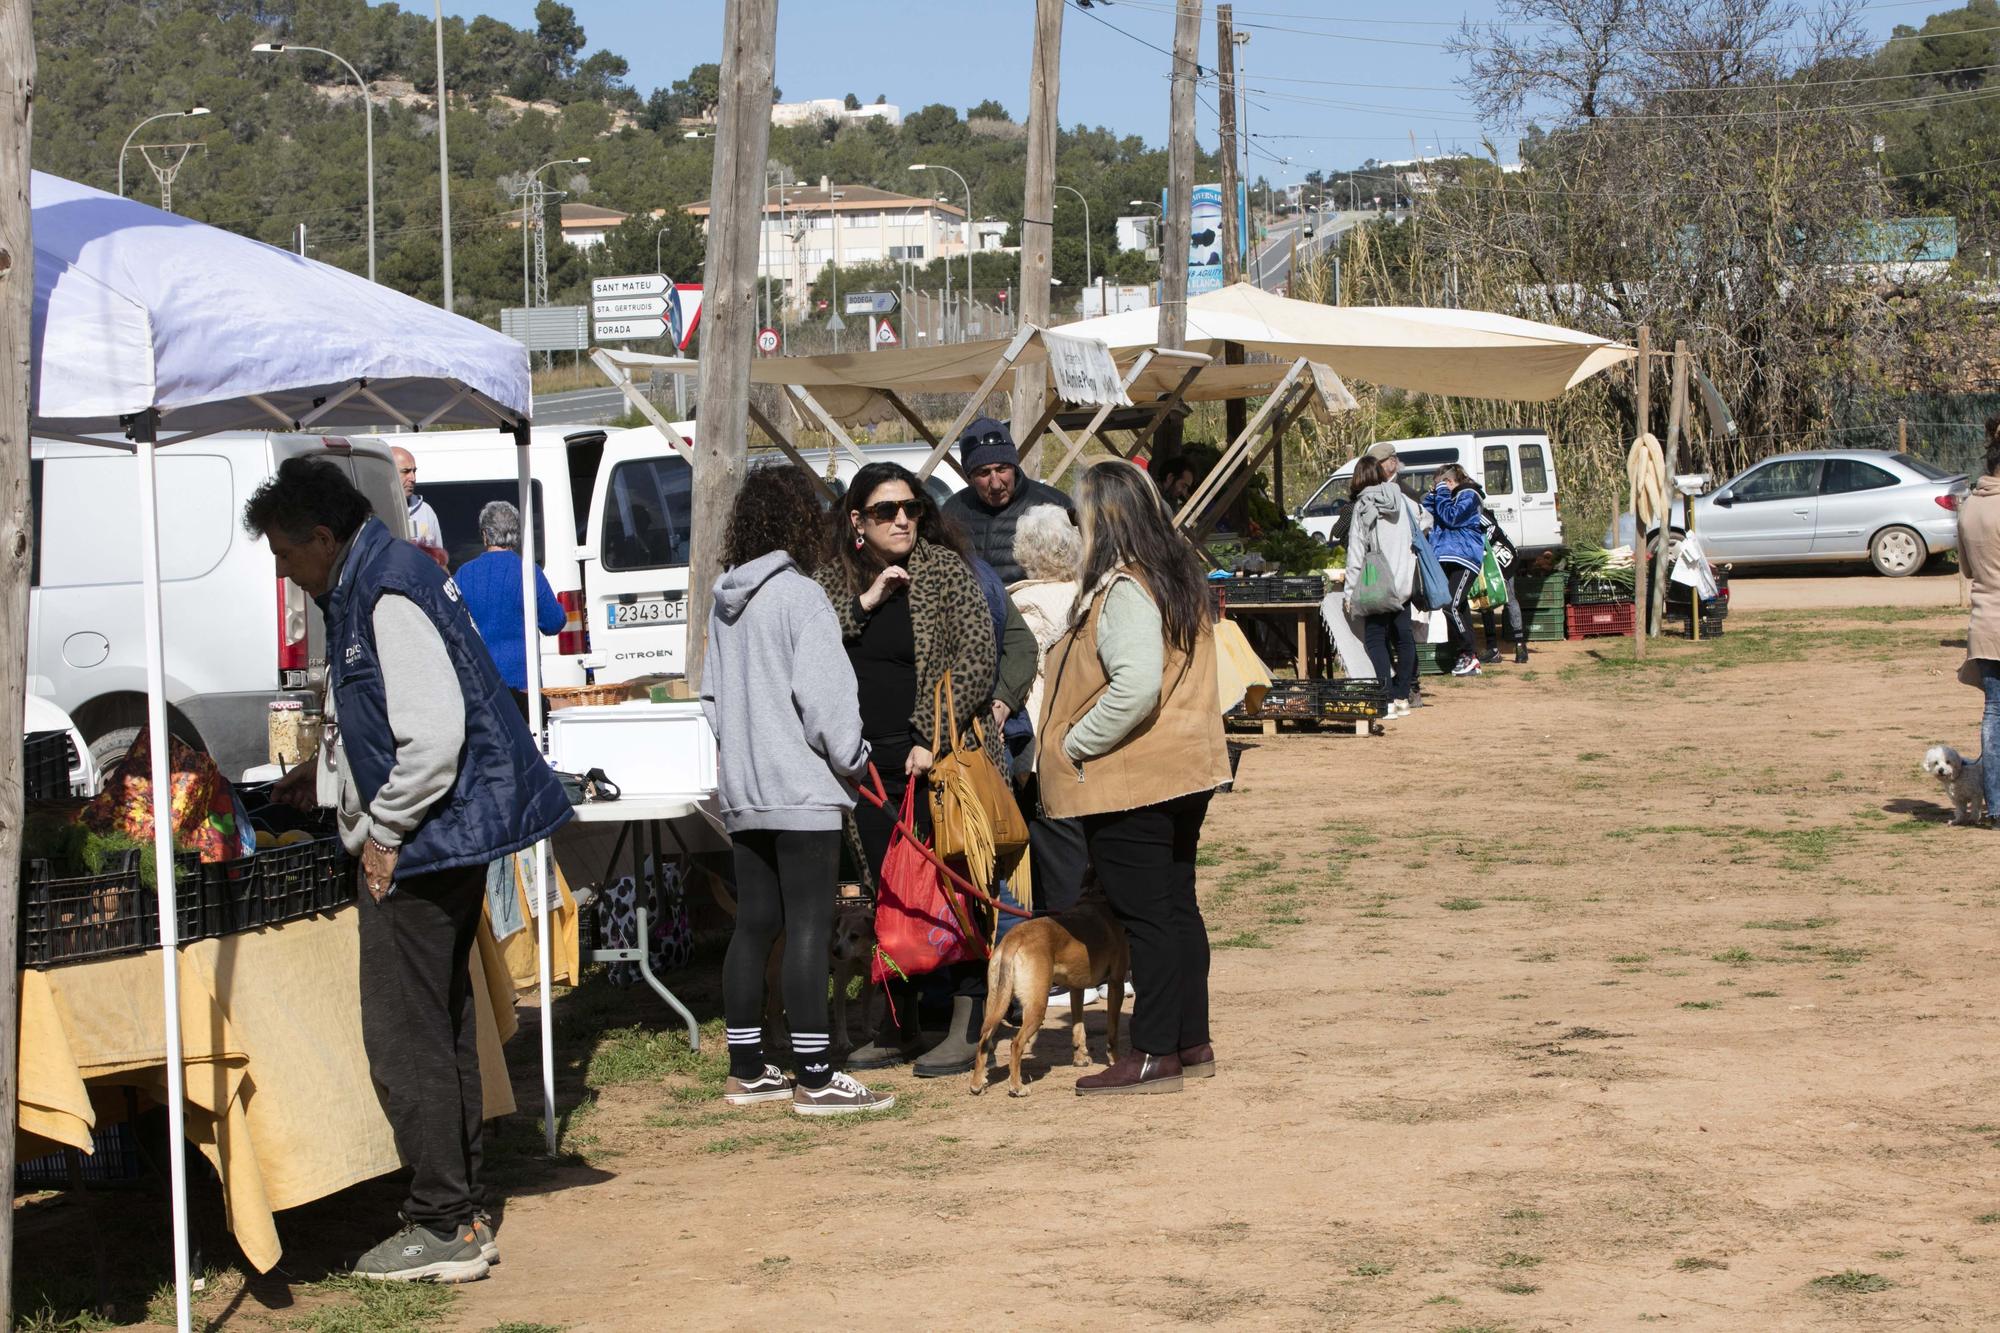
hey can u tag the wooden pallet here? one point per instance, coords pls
(1274, 726)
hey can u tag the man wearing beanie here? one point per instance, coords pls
(991, 506)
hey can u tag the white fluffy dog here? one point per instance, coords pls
(1962, 782)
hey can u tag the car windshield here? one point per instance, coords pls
(1927, 470)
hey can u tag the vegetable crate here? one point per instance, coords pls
(1592, 620)
(1356, 696)
(1541, 597)
(65, 920)
(1259, 589)
(1596, 592)
(114, 1156)
(1435, 659)
(46, 757)
(1290, 697)
(277, 884)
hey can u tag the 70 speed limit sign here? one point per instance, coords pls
(767, 340)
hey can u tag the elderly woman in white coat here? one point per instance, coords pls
(1380, 525)
(1048, 548)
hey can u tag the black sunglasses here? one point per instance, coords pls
(990, 437)
(884, 511)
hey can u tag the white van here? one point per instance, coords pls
(636, 552)
(236, 635)
(1516, 467)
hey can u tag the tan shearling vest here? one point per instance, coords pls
(1176, 751)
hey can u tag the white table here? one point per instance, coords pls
(647, 814)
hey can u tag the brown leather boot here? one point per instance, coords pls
(1198, 1061)
(1135, 1072)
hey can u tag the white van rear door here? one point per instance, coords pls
(1502, 482)
(1541, 521)
(636, 558)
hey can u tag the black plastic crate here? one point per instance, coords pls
(277, 884)
(1298, 588)
(114, 1157)
(1291, 697)
(46, 759)
(66, 920)
(1580, 593)
(1356, 696)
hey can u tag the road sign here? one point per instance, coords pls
(629, 307)
(835, 324)
(869, 303)
(549, 328)
(767, 341)
(628, 330)
(885, 335)
(638, 284)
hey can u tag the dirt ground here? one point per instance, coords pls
(1593, 995)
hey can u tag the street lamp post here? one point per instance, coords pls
(931, 166)
(444, 157)
(368, 120)
(127, 147)
(1162, 215)
(1086, 233)
(531, 197)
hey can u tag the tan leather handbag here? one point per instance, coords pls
(973, 814)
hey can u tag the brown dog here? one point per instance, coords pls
(1083, 947)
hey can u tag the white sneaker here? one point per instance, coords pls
(1467, 666)
(841, 1096)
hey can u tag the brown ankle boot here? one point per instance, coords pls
(1198, 1061)
(1135, 1072)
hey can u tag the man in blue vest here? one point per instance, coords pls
(432, 774)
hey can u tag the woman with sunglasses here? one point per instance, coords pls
(910, 610)
(1131, 744)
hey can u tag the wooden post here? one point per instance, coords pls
(1669, 453)
(17, 300)
(1176, 226)
(729, 283)
(1225, 93)
(1645, 415)
(1902, 435)
(1038, 201)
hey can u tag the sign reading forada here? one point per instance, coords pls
(644, 306)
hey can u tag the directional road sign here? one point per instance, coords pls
(628, 307)
(644, 306)
(637, 284)
(869, 303)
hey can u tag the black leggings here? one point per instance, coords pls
(784, 882)
(1490, 622)
(1382, 632)
(1457, 612)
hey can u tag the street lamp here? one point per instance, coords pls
(368, 120)
(164, 115)
(527, 191)
(444, 154)
(1086, 231)
(1158, 209)
(931, 166)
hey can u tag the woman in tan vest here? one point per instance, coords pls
(1131, 744)
(1979, 557)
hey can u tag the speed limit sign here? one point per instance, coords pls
(767, 340)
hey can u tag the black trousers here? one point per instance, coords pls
(418, 1029)
(784, 882)
(1145, 863)
(1057, 854)
(1392, 649)
(1457, 613)
(1489, 622)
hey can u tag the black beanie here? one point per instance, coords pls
(986, 441)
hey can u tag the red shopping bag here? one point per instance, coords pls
(915, 928)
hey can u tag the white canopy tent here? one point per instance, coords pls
(1461, 353)
(161, 329)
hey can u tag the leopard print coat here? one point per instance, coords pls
(953, 631)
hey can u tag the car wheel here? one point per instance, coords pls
(1674, 539)
(1897, 552)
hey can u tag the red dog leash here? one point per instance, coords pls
(879, 798)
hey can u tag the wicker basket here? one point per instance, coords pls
(579, 696)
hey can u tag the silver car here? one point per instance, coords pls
(1892, 510)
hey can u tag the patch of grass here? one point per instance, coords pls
(1631, 958)
(1760, 995)
(1701, 1004)
(1517, 996)
(1694, 1263)
(1523, 1215)
(1371, 1268)
(1244, 939)
(1808, 923)
(1735, 957)
(1515, 1259)
(1851, 1280)
(1431, 992)
(1988, 1219)
(516, 1326)
(1461, 904)
(645, 1055)
(1518, 1288)
(379, 1307)
(1890, 1255)
(1442, 1299)
(1477, 1328)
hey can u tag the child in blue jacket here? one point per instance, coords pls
(1458, 537)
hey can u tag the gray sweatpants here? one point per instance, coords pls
(418, 1026)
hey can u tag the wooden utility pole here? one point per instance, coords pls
(1178, 223)
(1645, 413)
(1669, 455)
(1038, 203)
(729, 284)
(17, 300)
(1225, 94)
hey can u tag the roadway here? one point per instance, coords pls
(1276, 252)
(579, 407)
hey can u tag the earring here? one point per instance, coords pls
(858, 542)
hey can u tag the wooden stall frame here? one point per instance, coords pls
(621, 380)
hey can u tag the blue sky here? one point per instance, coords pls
(1333, 83)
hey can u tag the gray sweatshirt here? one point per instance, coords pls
(780, 693)
(426, 718)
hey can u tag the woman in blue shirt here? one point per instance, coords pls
(491, 586)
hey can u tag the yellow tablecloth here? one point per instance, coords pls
(520, 948)
(278, 1093)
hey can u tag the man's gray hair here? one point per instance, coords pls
(1047, 544)
(500, 525)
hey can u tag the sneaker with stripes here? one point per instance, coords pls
(841, 1096)
(810, 1058)
(769, 1086)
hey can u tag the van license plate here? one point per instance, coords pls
(647, 611)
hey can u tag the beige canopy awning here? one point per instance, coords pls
(1460, 353)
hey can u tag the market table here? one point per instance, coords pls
(278, 1095)
(647, 815)
(1310, 634)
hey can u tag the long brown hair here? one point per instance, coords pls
(861, 564)
(1126, 523)
(1367, 472)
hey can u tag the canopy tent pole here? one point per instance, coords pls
(1290, 412)
(532, 641)
(1238, 447)
(802, 397)
(622, 381)
(145, 429)
(1018, 345)
(785, 447)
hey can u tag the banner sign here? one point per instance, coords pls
(1083, 372)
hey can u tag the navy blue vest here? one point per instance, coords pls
(506, 797)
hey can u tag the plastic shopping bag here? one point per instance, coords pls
(1489, 591)
(915, 929)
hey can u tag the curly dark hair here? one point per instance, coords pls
(306, 493)
(777, 510)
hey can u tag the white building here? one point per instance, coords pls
(793, 114)
(583, 225)
(807, 228)
(1136, 233)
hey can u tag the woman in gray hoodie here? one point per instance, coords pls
(779, 692)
